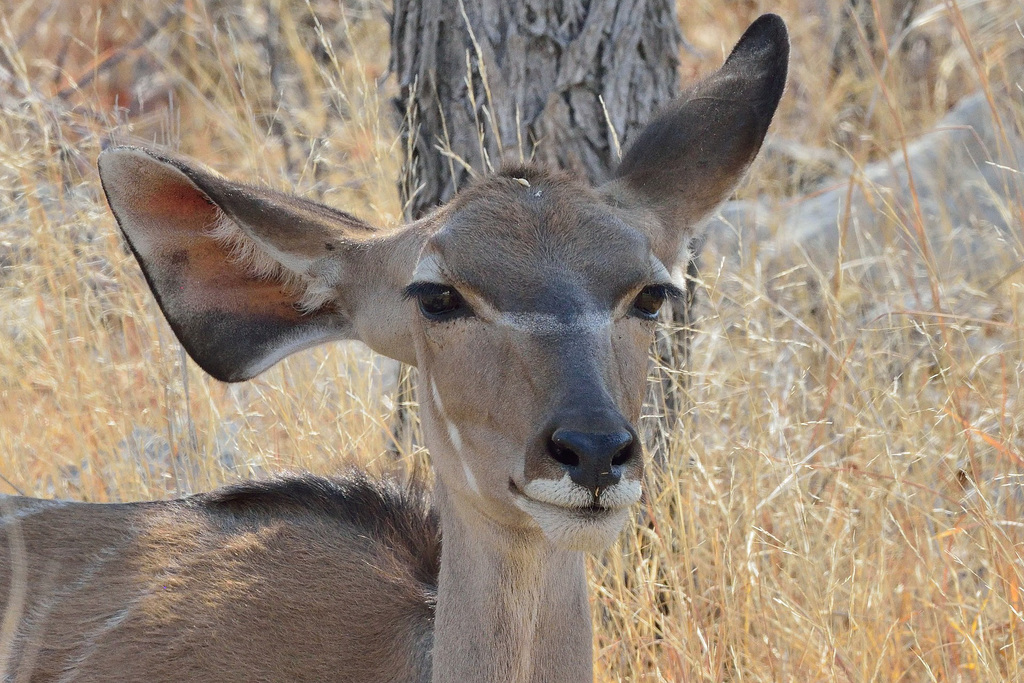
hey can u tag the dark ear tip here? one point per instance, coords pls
(766, 41)
(769, 23)
(768, 27)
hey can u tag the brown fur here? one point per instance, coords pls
(303, 571)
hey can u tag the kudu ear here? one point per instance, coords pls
(691, 157)
(247, 276)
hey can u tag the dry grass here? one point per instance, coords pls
(845, 500)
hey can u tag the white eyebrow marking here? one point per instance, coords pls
(428, 269)
(549, 323)
(660, 271)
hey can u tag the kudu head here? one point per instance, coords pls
(528, 302)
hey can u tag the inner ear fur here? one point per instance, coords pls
(690, 158)
(244, 276)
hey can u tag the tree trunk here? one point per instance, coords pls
(561, 82)
(486, 81)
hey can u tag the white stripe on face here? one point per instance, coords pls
(453, 431)
(436, 396)
(548, 323)
(470, 478)
(453, 435)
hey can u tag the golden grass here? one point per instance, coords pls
(844, 501)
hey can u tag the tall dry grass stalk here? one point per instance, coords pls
(845, 502)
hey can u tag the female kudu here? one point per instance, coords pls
(528, 304)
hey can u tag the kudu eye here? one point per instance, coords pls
(649, 301)
(438, 302)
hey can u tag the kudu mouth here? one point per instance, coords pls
(571, 517)
(564, 496)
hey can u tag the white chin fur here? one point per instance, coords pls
(575, 530)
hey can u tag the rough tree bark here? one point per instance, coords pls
(490, 80)
(563, 82)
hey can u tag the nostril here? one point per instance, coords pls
(562, 453)
(624, 454)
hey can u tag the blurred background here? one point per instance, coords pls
(842, 496)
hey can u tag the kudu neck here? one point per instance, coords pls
(510, 606)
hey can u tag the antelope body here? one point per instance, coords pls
(528, 304)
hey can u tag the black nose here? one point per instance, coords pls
(594, 460)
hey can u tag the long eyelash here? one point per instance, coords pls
(417, 289)
(669, 291)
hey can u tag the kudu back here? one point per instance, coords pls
(528, 303)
